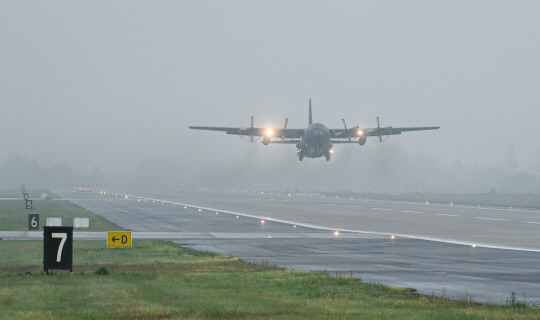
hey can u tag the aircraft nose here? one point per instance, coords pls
(318, 136)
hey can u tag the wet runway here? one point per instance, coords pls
(432, 250)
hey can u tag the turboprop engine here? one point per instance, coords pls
(362, 140)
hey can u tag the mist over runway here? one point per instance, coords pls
(299, 232)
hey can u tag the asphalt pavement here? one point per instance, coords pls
(460, 252)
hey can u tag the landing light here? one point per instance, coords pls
(360, 132)
(262, 221)
(269, 132)
(331, 151)
(200, 210)
(336, 233)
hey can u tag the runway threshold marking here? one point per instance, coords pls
(492, 219)
(397, 235)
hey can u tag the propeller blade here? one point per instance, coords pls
(345, 125)
(379, 130)
(251, 130)
(284, 128)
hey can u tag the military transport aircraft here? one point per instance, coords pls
(316, 140)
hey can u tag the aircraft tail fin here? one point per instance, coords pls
(310, 117)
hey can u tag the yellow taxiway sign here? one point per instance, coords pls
(119, 239)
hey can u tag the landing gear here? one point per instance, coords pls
(300, 156)
(327, 157)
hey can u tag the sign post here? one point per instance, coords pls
(120, 239)
(33, 222)
(58, 248)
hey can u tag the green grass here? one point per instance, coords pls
(160, 280)
(14, 216)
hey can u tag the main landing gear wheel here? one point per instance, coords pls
(300, 157)
(327, 157)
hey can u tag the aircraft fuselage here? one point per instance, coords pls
(315, 142)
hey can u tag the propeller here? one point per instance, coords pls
(284, 128)
(343, 120)
(251, 130)
(379, 130)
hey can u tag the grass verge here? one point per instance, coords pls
(161, 280)
(14, 217)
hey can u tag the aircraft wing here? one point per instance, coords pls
(344, 133)
(257, 132)
(356, 132)
(289, 141)
(387, 131)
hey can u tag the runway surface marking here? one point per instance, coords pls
(446, 215)
(320, 227)
(492, 219)
(410, 211)
(381, 209)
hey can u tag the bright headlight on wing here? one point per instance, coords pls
(331, 151)
(360, 132)
(269, 132)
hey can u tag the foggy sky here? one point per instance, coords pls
(106, 91)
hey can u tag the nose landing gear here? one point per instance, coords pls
(300, 153)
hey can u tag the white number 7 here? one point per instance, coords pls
(63, 236)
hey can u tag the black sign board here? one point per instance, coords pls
(26, 196)
(33, 222)
(57, 248)
(28, 204)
